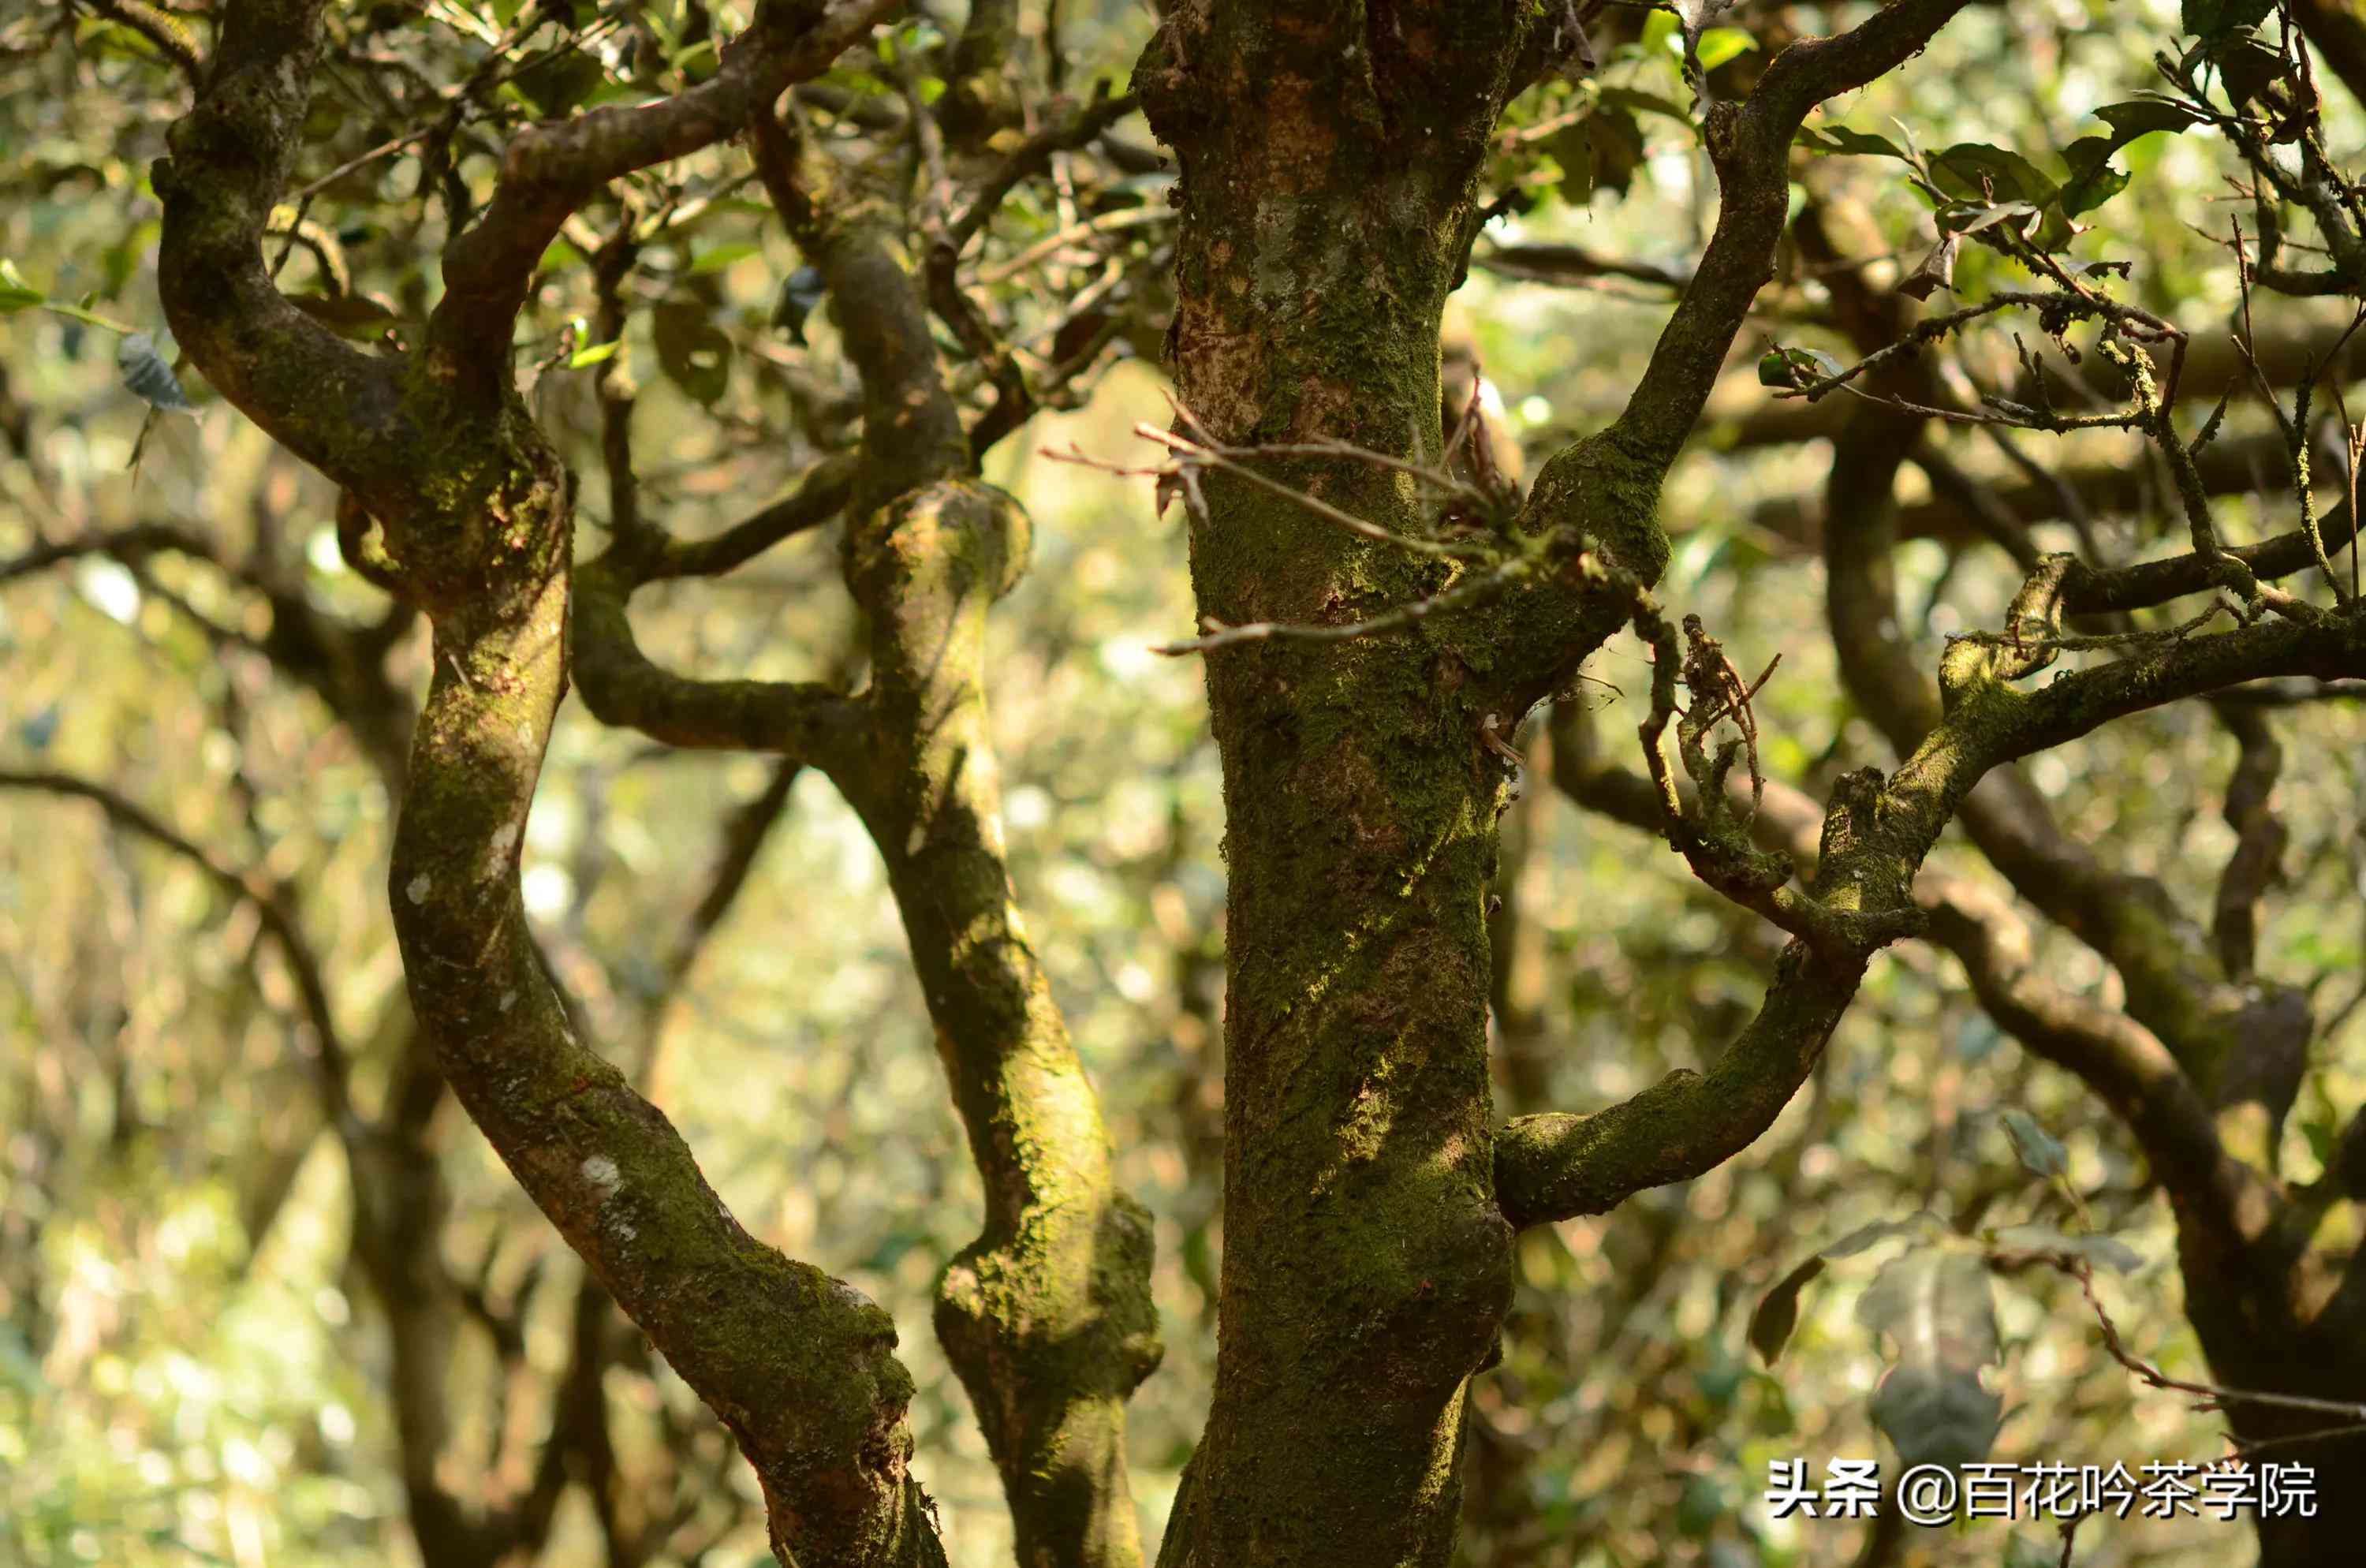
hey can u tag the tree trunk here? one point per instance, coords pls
(2258, 1340)
(1328, 199)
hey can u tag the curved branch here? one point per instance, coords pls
(1555, 1165)
(1047, 1316)
(132, 542)
(821, 495)
(800, 1367)
(1875, 839)
(552, 169)
(2339, 34)
(624, 687)
(2116, 1056)
(2092, 591)
(324, 399)
(1604, 490)
(1572, 263)
(163, 29)
(1746, 414)
(1751, 146)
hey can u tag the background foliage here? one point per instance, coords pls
(190, 1370)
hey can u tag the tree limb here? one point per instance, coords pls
(552, 169)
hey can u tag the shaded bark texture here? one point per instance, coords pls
(1328, 197)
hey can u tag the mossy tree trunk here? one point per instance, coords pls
(1330, 160)
(1328, 196)
(1328, 201)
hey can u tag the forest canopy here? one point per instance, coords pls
(868, 782)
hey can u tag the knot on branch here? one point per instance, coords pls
(484, 530)
(360, 541)
(1029, 1305)
(938, 546)
(1610, 496)
(1713, 837)
(1849, 818)
(1721, 132)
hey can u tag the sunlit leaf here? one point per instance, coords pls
(1936, 1308)
(1719, 45)
(1777, 1311)
(1935, 1304)
(16, 294)
(1661, 33)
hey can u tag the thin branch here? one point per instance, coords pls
(269, 899)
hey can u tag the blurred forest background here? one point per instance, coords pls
(241, 1325)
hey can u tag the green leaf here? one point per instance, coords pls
(1970, 218)
(2246, 65)
(1979, 172)
(16, 294)
(1634, 100)
(594, 355)
(1662, 35)
(1865, 1236)
(1936, 1305)
(1777, 1311)
(2132, 118)
(722, 257)
(560, 84)
(1781, 366)
(2040, 1152)
(1600, 151)
(1719, 45)
(2203, 17)
(1938, 1311)
(2093, 181)
(1936, 1415)
(1840, 139)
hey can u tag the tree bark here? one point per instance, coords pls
(1328, 195)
